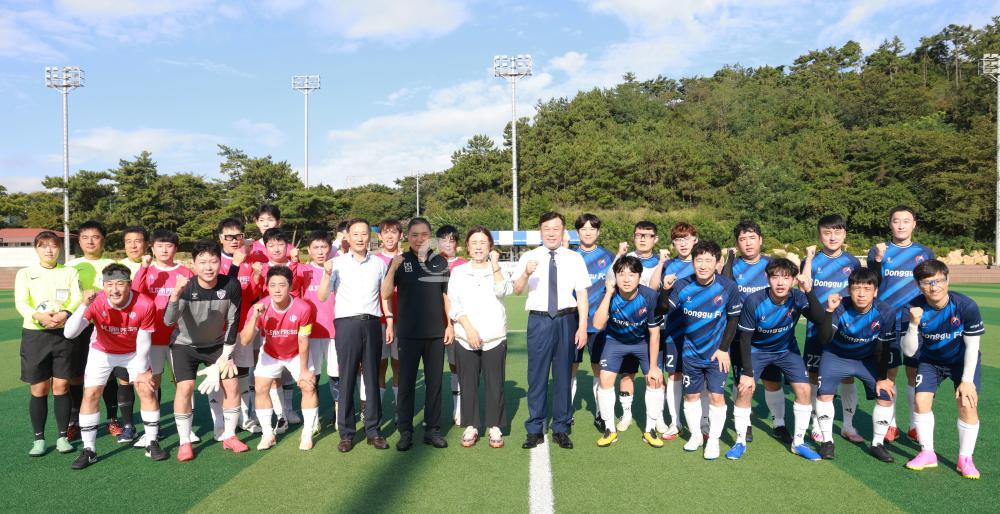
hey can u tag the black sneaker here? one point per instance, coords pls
(599, 425)
(749, 434)
(435, 440)
(879, 452)
(826, 450)
(405, 441)
(281, 427)
(153, 451)
(781, 432)
(86, 458)
(128, 434)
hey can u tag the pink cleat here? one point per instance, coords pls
(185, 453)
(925, 459)
(234, 445)
(852, 436)
(967, 468)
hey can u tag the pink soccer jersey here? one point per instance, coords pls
(455, 262)
(158, 284)
(308, 277)
(115, 329)
(259, 252)
(250, 290)
(281, 329)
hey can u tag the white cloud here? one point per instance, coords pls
(209, 66)
(569, 62)
(263, 133)
(107, 144)
(398, 95)
(391, 20)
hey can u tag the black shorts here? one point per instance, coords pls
(46, 354)
(185, 359)
(119, 373)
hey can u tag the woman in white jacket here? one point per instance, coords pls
(476, 290)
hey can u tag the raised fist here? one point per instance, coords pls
(180, 283)
(880, 251)
(609, 280)
(294, 254)
(239, 257)
(397, 260)
(495, 258)
(669, 280)
(622, 248)
(664, 254)
(259, 308)
(88, 296)
(804, 281)
(810, 251)
(530, 266)
(328, 267)
(147, 260)
(832, 302)
(915, 314)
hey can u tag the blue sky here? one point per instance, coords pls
(405, 83)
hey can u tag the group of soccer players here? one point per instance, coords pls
(256, 322)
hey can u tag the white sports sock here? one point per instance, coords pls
(675, 393)
(626, 400)
(597, 404)
(776, 404)
(848, 405)
(825, 412)
(264, 417)
(716, 420)
(654, 407)
(606, 399)
(363, 391)
(911, 397)
(572, 391)
(88, 429)
(692, 415)
(309, 419)
(183, 422)
(892, 422)
(276, 403)
(215, 406)
(813, 394)
(150, 423)
(925, 430)
(230, 417)
(802, 414)
(881, 416)
(967, 434)
(741, 419)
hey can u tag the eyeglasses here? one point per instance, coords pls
(933, 282)
(232, 237)
(683, 240)
(643, 237)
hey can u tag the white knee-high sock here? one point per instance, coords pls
(802, 414)
(277, 398)
(230, 418)
(925, 430)
(654, 407)
(692, 415)
(626, 400)
(88, 430)
(776, 404)
(967, 434)
(849, 405)
(215, 407)
(597, 404)
(606, 399)
(264, 417)
(881, 416)
(813, 394)
(150, 423)
(741, 419)
(183, 422)
(309, 417)
(825, 412)
(674, 396)
(716, 420)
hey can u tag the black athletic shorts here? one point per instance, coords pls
(185, 359)
(46, 354)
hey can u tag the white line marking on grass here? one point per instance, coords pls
(540, 480)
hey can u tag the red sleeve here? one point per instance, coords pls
(310, 314)
(139, 281)
(184, 270)
(260, 319)
(148, 322)
(89, 313)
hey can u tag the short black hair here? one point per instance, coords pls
(267, 208)
(585, 218)
(863, 276)
(235, 223)
(280, 271)
(549, 216)
(354, 221)
(390, 223)
(629, 261)
(47, 235)
(746, 226)
(779, 264)
(418, 221)
(645, 225)
(275, 234)
(928, 269)
(447, 231)
(343, 225)
(162, 235)
(116, 268)
(902, 208)
(93, 225)
(136, 229)
(832, 221)
(317, 235)
(709, 247)
(206, 246)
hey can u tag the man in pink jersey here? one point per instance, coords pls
(390, 231)
(267, 217)
(321, 347)
(447, 241)
(124, 323)
(285, 323)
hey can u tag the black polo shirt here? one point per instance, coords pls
(420, 286)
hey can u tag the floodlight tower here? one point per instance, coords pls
(513, 68)
(989, 65)
(306, 84)
(65, 79)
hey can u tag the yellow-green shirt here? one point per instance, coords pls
(34, 285)
(90, 271)
(133, 266)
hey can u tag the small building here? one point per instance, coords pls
(17, 246)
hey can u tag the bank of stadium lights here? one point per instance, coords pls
(306, 84)
(513, 68)
(65, 79)
(989, 65)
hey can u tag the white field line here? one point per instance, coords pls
(540, 499)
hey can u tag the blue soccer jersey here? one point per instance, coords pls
(941, 330)
(598, 261)
(749, 277)
(679, 267)
(629, 320)
(648, 263)
(772, 324)
(855, 332)
(673, 329)
(829, 276)
(897, 287)
(704, 312)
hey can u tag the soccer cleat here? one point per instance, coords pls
(127, 434)
(496, 437)
(693, 443)
(879, 452)
(599, 424)
(184, 452)
(252, 426)
(609, 438)
(652, 440)
(114, 428)
(141, 442)
(153, 451)
(306, 441)
(194, 438)
(782, 434)
(851, 435)
(73, 431)
(924, 460)
(624, 422)
(670, 434)
(712, 449)
(892, 434)
(234, 445)
(293, 417)
(967, 468)
(749, 434)
(86, 458)
(37, 448)
(817, 437)
(470, 437)
(803, 450)
(64, 446)
(826, 450)
(281, 427)
(661, 427)
(736, 452)
(316, 427)
(266, 443)
(912, 434)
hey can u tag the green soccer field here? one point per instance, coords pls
(627, 476)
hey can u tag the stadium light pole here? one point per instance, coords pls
(989, 65)
(306, 84)
(65, 79)
(513, 68)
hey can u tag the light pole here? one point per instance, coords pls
(306, 84)
(65, 79)
(989, 65)
(513, 68)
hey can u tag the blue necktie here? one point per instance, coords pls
(553, 283)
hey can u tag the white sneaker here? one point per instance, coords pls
(694, 443)
(624, 423)
(252, 426)
(266, 443)
(670, 433)
(316, 427)
(217, 433)
(281, 427)
(712, 449)
(661, 427)
(194, 438)
(306, 441)
(142, 442)
(293, 417)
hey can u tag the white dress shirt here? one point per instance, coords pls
(572, 276)
(475, 293)
(357, 284)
